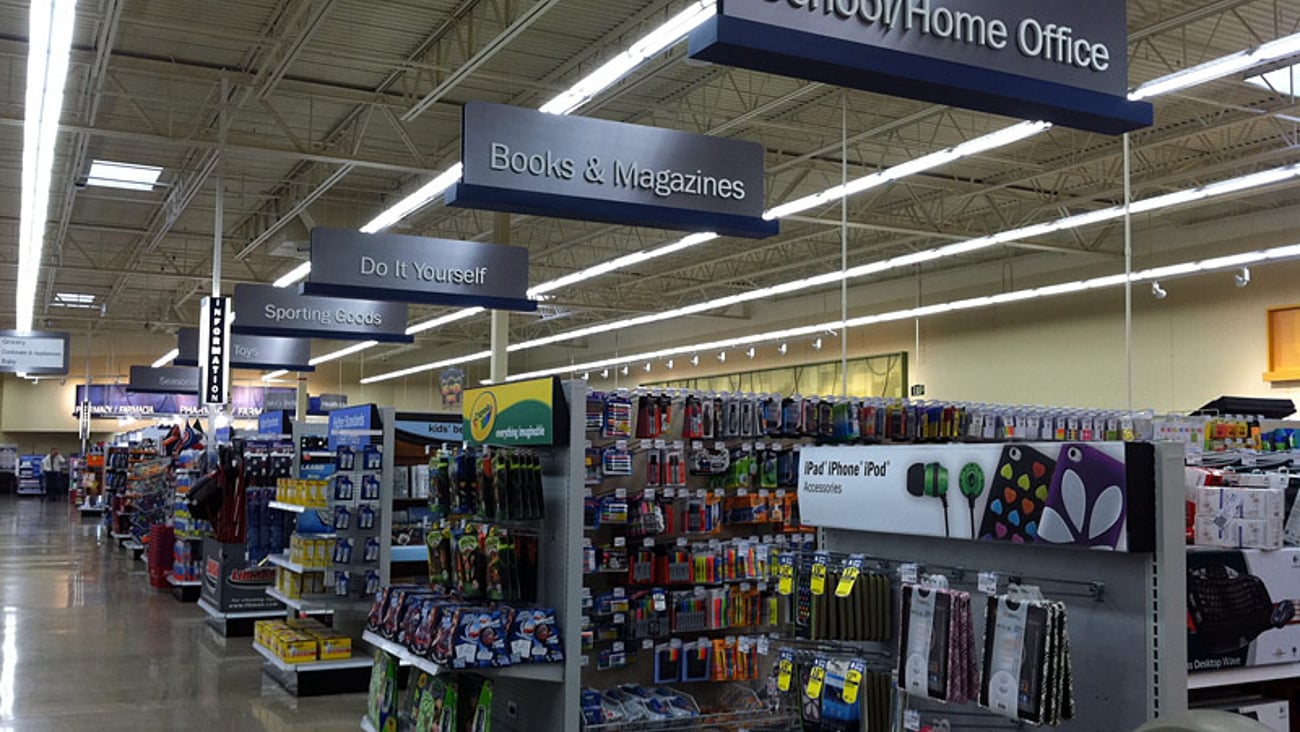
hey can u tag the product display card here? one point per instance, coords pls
(936, 656)
(1241, 608)
(862, 613)
(836, 695)
(1028, 674)
(1090, 495)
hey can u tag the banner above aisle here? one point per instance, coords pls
(266, 310)
(1061, 62)
(266, 353)
(522, 414)
(523, 161)
(118, 400)
(397, 268)
(164, 380)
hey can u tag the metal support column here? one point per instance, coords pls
(500, 339)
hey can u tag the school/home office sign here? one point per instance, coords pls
(38, 353)
(266, 310)
(418, 269)
(521, 413)
(1063, 62)
(525, 161)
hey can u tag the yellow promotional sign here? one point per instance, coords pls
(521, 413)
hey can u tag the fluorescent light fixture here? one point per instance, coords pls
(166, 358)
(977, 146)
(1282, 81)
(294, 275)
(108, 174)
(1096, 283)
(652, 44)
(75, 300)
(621, 263)
(428, 367)
(1218, 68)
(354, 348)
(273, 375)
(444, 320)
(49, 42)
(1234, 185)
(417, 200)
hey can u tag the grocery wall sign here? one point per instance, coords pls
(1053, 60)
(525, 161)
(520, 413)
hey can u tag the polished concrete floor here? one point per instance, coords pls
(86, 644)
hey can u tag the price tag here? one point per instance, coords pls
(785, 574)
(742, 492)
(648, 644)
(649, 494)
(849, 577)
(818, 581)
(816, 679)
(620, 541)
(912, 720)
(619, 592)
(719, 446)
(670, 493)
(908, 573)
(620, 493)
(618, 647)
(784, 670)
(681, 541)
(988, 583)
(620, 619)
(697, 445)
(585, 661)
(853, 681)
(660, 600)
(701, 493)
(745, 587)
(649, 542)
(763, 645)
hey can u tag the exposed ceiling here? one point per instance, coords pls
(335, 109)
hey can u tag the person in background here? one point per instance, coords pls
(54, 471)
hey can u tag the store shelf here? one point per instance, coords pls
(287, 667)
(366, 725)
(291, 507)
(298, 603)
(250, 614)
(410, 553)
(171, 580)
(1248, 675)
(281, 560)
(548, 672)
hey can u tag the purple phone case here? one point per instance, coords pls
(1088, 503)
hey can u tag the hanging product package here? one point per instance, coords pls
(936, 658)
(1028, 674)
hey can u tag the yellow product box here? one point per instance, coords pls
(293, 585)
(263, 630)
(299, 648)
(320, 493)
(324, 552)
(334, 646)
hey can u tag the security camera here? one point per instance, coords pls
(1243, 277)
(1158, 292)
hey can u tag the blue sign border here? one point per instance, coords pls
(815, 57)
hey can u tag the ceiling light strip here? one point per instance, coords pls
(1277, 254)
(166, 358)
(481, 355)
(1218, 68)
(50, 40)
(354, 348)
(273, 375)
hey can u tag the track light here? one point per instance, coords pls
(625, 369)
(751, 353)
(695, 359)
(1243, 277)
(670, 364)
(586, 376)
(604, 374)
(783, 349)
(647, 367)
(722, 356)
(817, 344)
(1158, 292)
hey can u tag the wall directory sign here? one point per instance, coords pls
(36, 353)
(1098, 495)
(214, 351)
(250, 351)
(266, 310)
(418, 269)
(164, 380)
(521, 413)
(1062, 62)
(524, 161)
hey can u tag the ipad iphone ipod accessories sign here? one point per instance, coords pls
(278, 311)
(1053, 60)
(1098, 495)
(393, 267)
(524, 161)
(36, 353)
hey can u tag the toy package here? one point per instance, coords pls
(475, 705)
(432, 703)
(535, 637)
(480, 636)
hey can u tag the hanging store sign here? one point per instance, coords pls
(273, 424)
(1097, 495)
(354, 427)
(214, 351)
(522, 413)
(447, 430)
(35, 353)
(266, 353)
(525, 161)
(418, 269)
(164, 380)
(266, 310)
(1062, 62)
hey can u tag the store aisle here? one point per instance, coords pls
(85, 644)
